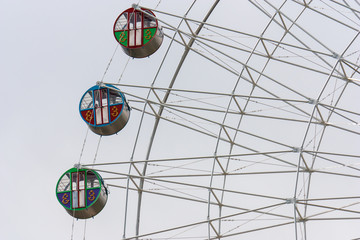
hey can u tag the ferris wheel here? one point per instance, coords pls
(237, 120)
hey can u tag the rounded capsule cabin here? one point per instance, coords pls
(138, 32)
(81, 192)
(104, 109)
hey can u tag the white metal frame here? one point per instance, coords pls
(315, 114)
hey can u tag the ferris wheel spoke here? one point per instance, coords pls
(222, 139)
(328, 199)
(235, 157)
(247, 67)
(338, 164)
(321, 122)
(223, 218)
(220, 174)
(336, 173)
(331, 154)
(242, 210)
(332, 18)
(254, 230)
(239, 110)
(248, 49)
(173, 108)
(342, 209)
(294, 22)
(340, 112)
(163, 179)
(335, 55)
(279, 58)
(201, 40)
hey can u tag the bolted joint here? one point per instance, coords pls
(297, 149)
(313, 101)
(135, 6)
(290, 200)
(77, 166)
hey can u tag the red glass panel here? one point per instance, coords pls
(115, 111)
(88, 116)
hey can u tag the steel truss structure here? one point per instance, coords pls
(247, 129)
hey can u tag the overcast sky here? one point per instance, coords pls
(51, 52)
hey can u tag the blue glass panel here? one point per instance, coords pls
(64, 199)
(91, 195)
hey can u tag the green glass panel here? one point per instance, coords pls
(148, 34)
(122, 37)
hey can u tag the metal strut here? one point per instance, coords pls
(187, 49)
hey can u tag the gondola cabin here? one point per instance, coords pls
(104, 109)
(81, 192)
(138, 32)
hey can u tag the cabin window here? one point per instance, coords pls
(101, 106)
(64, 183)
(149, 21)
(78, 189)
(92, 180)
(122, 23)
(87, 101)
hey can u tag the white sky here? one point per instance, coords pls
(51, 52)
